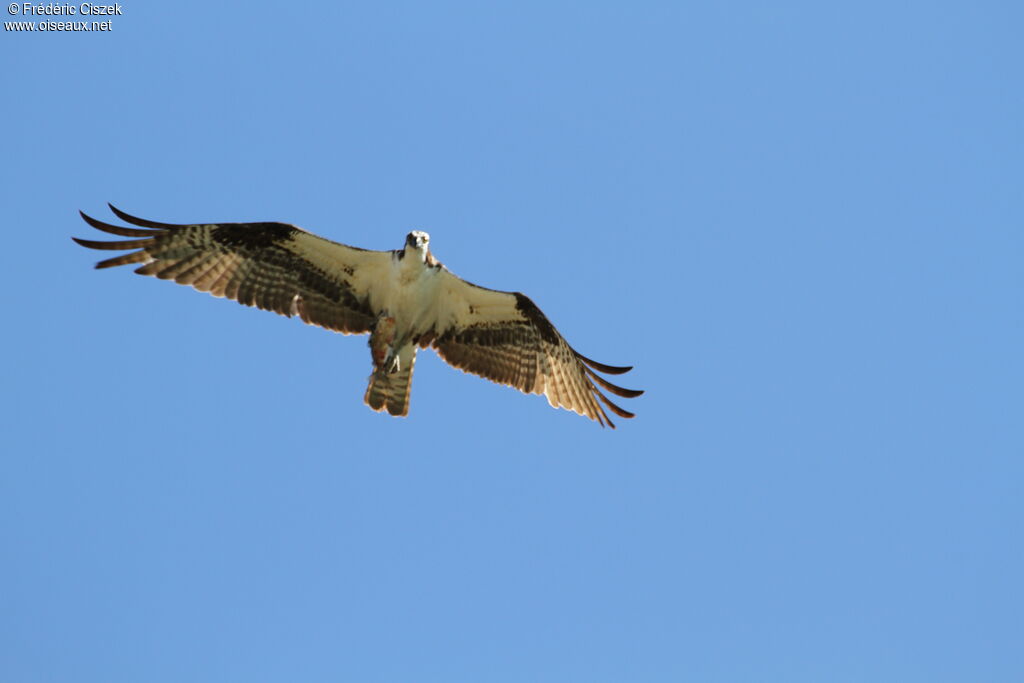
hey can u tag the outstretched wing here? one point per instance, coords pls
(273, 266)
(504, 337)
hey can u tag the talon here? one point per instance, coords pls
(391, 363)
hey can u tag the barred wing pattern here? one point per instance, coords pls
(504, 337)
(272, 266)
(501, 336)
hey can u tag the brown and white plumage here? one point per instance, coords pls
(404, 298)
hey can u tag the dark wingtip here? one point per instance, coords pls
(89, 219)
(141, 222)
(614, 388)
(607, 421)
(116, 229)
(85, 243)
(618, 410)
(116, 245)
(608, 369)
(117, 212)
(127, 218)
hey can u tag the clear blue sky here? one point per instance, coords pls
(801, 222)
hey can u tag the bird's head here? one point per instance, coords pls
(418, 241)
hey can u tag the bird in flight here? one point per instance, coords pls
(405, 299)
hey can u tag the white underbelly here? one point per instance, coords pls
(410, 297)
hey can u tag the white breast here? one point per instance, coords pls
(410, 295)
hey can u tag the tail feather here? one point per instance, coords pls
(391, 391)
(377, 391)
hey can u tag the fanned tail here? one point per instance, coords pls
(391, 391)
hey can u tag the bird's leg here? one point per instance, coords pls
(393, 361)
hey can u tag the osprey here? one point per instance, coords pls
(405, 299)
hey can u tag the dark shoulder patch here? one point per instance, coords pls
(251, 235)
(536, 317)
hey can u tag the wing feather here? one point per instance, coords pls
(117, 245)
(617, 390)
(142, 222)
(504, 337)
(607, 369)
(124, 259)
(272, 266)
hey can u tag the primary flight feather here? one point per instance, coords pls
(405, 299)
